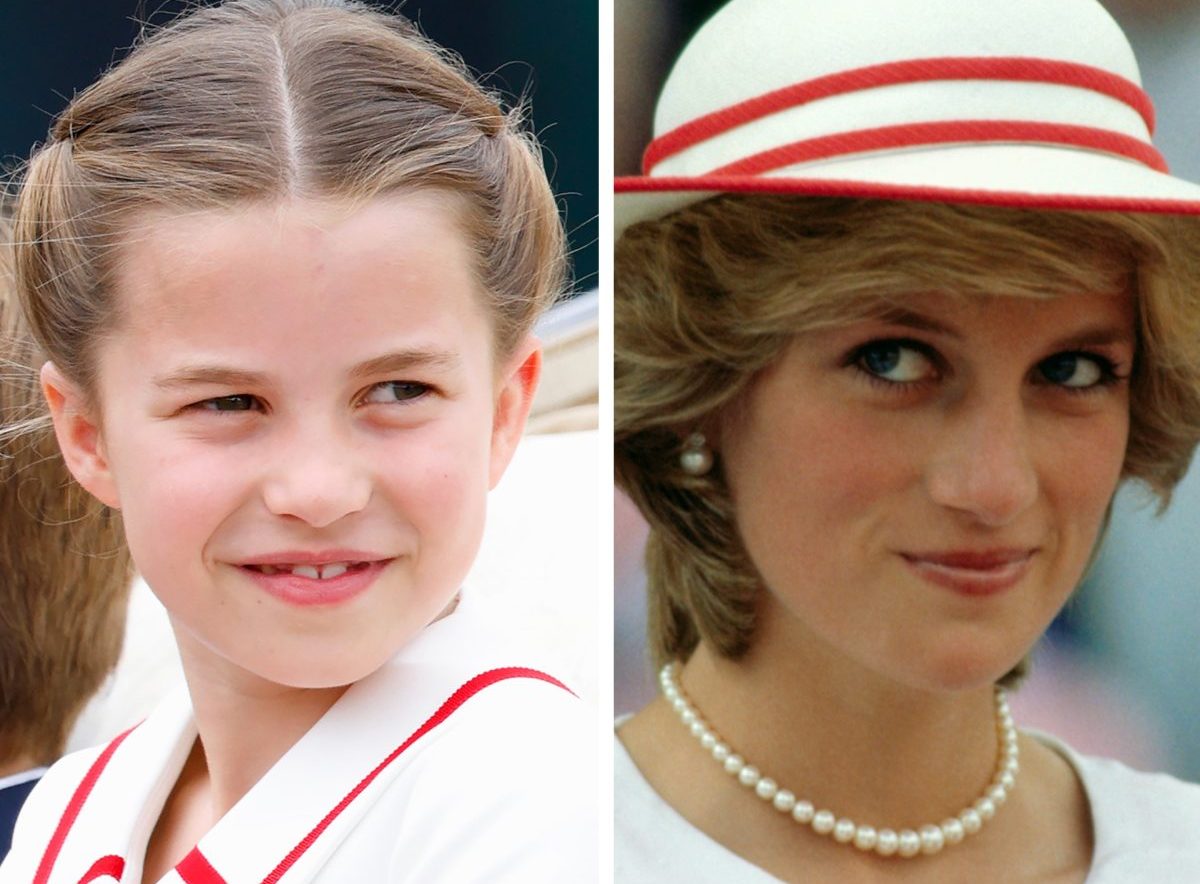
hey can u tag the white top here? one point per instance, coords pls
(398, 782)
(1145, 829)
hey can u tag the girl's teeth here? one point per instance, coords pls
(312, 572)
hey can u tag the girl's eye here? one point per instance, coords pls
(396, 391)
(897, 362)
(238, 402)
(1077, 371)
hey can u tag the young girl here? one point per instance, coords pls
(284, 261)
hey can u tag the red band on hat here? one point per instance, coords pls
(948, 132)
(711, 185)
(1037, 70)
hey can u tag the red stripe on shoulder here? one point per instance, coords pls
(460, 696)
(107, 866)
(73, 807)
(196, 869)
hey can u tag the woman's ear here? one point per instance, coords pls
(517, 384)
(79, 436)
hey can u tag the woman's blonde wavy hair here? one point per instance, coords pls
(709, 296)
(267, 100)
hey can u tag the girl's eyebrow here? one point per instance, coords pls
(224, 376)
(407, 360)
(216, 375)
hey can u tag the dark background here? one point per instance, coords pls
(544, 50)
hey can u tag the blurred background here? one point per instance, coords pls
(1117, 674)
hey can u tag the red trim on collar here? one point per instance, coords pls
(460, 696)
(111, 866)
(196, 869)
(920, 70)
(72, 811)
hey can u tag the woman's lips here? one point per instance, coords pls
(302, 590)
(972, 572)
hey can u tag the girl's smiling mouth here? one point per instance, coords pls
(324, 578)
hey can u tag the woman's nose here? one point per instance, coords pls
(316, 476)
(983, 465)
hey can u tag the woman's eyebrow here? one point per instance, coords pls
(1096, 336)
(917, 321)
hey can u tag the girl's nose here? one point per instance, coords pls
(983, 465)
(317, 477)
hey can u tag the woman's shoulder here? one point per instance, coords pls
(1144, 824)
(653, 843)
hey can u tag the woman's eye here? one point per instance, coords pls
(396, 391)
(238, 402)
(895, 362)
(1078, 371)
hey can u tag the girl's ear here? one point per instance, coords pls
(517, 383)
(79, 436)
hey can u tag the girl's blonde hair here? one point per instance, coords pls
(263, 100)
(64, 568)
(709, 296)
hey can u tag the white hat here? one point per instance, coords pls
(1027, 103)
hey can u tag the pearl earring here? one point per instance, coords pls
(696, 458)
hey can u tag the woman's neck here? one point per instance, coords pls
(859, 745)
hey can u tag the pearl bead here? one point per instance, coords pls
(679, 704)
(932, 839)
(887, 843)
(844, 831)
(734, 764)
(803, 812)
(952, 831)
(696, 463)
(865, 838)
(823, 822)
(997, 795)
(688, 715)
(749, 775)
(766, 789)
(720, 752)
(910, 843)
(708, 740)
(986, 808)
(971, 821)
(1007, 780)
(784, 801)
(698, 729)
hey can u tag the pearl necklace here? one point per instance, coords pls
(885, 842)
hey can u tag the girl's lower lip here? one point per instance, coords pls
(975, 582)
(306, 592)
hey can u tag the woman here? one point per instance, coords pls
(874, 402)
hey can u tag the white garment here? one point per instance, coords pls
(498, 789)
(1145, 828)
